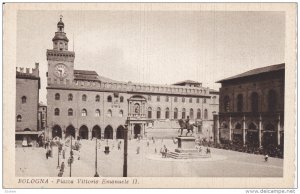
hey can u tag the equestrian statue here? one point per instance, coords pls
(186, 125)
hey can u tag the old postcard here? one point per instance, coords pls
(149, 95)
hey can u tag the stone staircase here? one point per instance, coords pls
(187, 154)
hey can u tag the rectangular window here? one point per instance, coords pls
(198, 100)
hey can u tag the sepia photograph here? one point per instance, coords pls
(105, 94)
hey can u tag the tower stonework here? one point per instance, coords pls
(60, 60)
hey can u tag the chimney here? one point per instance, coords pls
(36, 65)
(27, 70)
(22, 69)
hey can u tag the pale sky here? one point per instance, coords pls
(159, 47)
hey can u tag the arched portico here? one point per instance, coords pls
(108, 132)
(96, 132)
(70, 130)
(83, 132)
(56, 131)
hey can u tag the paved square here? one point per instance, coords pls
(224, 163)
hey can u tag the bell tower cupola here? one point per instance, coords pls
(60, 40)
(60, 59)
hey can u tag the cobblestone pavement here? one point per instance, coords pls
(33, 162)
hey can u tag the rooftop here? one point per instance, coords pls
(186, 82)
(256, 71)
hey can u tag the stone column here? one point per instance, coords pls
(90, 134)
(230, 129)
(76, 133)
(216, 129)
(244, 130)
(259, 131)
(278, 130)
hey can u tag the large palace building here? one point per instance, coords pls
(83, 104)
(252, 108)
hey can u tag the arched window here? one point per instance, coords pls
(240, 103)
(226, 103)
(109, 113)
(109, 98)
(205, 114)
(121, 99)
(57, 96)
(121, 113)
(191, 113)
(84, 113)
(175, 99)
(167, 113)
(83, 97)
(56, 112)
(19, 118)
(175, 113)
(167, 98)
(24, 99)
(158, 98)
(191, 100)
(70, 112)
(272, 98)
(254, 102)
(198, 113)
(97, 113)
(158, 113)
(70, 97)
(183, 99)
(97, 98)
(149, 112)
(183, 113)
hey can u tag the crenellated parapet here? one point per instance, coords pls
(127, 87)
(28, 72)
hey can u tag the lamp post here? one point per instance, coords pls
(96, 173)
(71, 157)
(125, 148)
(58, 150)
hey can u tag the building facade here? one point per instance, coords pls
(27, 101)
(252, 108)
(82, 103)
(42, 116)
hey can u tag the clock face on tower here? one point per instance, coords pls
(60, 70)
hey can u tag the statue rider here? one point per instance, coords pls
(187, 122)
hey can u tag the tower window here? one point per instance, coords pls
(83, 97)
(56, 112)
(24, 99)
(19, 118)
(121, 99)
(57, 96)
(97, 99)
(109, 99)
(70, 97)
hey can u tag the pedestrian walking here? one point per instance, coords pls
(62, 167)
(138, 150)
(147, 143)
(119, 145)
(155, 150)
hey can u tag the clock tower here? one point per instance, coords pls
(60, 60)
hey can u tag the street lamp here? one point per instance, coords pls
(96, 173)
(71, 157)
(58, 153)
(125, 147)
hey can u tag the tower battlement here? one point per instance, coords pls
(28, 72)
(127, 87)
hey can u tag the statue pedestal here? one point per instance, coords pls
(186, 149)
(186, 142)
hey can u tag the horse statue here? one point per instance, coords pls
(183, 125)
